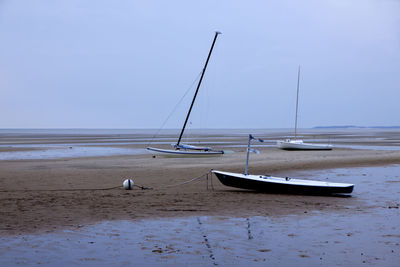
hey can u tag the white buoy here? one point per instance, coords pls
(128, 184)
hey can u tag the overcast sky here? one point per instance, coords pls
(126, 64)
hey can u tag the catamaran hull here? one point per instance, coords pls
(177, 153)
(302, 146)
(282, 185)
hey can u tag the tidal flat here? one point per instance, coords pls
(73, 210)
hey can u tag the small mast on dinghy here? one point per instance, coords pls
(190, 149)
(251, 150)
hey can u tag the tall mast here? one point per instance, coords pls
(297, 103)
(198, 86)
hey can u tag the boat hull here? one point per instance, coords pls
(272, 184)
(290, 145)
(184, 153)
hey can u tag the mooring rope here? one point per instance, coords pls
(189, 181)
(143, 187)
(70, 189)
(114, 187)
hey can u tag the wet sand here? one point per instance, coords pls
(49, 194)
(363, 232)
(44, 196)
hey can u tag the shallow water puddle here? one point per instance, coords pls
(308, 241)
(62, 151)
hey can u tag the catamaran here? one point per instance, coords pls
(186, 149)
(296, 144)
(271, 184)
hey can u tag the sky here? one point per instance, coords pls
(128, 64)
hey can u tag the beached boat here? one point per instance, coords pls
(295, 144)
(271, 184)
(185, 149)
(185, 152)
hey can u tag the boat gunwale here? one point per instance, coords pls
(284, 181)
(285, 145)
(180, 152)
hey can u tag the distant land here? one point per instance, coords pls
(354, 126)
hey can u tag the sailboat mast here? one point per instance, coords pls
(198, 86)
(297, 104)
(246, 171)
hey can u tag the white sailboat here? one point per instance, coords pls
(296, 144)
(271, 184)
(186, 149)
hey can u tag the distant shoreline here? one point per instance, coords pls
(177, 129)
(356, 127)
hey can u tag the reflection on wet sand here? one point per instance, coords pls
(53, 144)
(364, 231)
(67, 205)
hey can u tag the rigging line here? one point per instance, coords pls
(173, 110)
(210, 86)
(198, 87)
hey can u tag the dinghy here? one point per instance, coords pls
(296, 144)
(271, 184)
(185, 152)
(184, 149)
(289, 144)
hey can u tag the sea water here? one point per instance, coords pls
(17, 144)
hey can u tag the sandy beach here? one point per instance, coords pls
(49, 194)
(59, 190)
